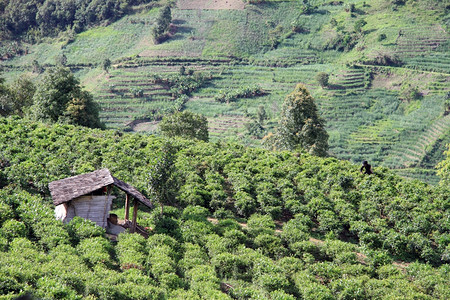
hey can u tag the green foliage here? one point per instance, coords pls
(161, 29)
(106, 65)
(361, 224)
(59, 98)
(12, 229)
(161, 176)
(260, 224)
(51, 17)
(80, 229)
(185, 124)
(131, 251)
(244, 92)
(300, 124)
(96, 250)
(322, 79)
(16, 98)
(444, 168)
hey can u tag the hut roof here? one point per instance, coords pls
(70, 188)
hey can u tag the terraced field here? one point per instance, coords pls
(255, 45)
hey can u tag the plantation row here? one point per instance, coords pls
(366, 223)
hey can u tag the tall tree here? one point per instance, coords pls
(300, 125)
(21, 92)
(161, 181)
(59, 98)
(185, 124)
(163, 21)
(444, 168)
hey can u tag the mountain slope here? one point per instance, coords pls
(373, 53)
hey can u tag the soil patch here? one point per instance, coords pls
(211, 4)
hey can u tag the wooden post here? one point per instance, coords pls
(133, 222)
(127, 207)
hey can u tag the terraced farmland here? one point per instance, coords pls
(275, 45)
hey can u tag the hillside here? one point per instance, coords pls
(314, 227)
(376, 54)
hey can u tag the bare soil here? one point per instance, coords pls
(211, 4)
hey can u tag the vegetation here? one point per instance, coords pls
(59, 98)
(49, 17)
(300, 125)
(185, 124)
(16, 98)
(286, 225)
(162, 26)
(371, 51)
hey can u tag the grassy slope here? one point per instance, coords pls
(366, 119)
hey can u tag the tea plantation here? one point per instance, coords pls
(240, 223)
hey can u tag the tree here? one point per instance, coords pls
(61, 60)
(36, 67)
(261, 115)
(5, 103)
(106, 65)
(444, 168)
(160, 174)
(359, 25)
(162, 25)
(185, 124)
(21, 92)
(59, 98)
(300, 125)
(322, 79)
(15, 98)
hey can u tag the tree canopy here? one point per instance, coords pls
(16, 97)
(444, 168)
(185, 124)
(60, 98)
(300, 125)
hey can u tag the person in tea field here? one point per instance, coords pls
(366, 167)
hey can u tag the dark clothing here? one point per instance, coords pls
(368, 169)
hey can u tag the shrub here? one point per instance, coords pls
(196, 213)
(14, 229)
(244, 203)
(350, 288)
(269, 245)
(259, 224)
(328, 221)
(309, 288)
(80, 229)
(131, 251)
(165, 240)
(296, 230)
(6, 212)
(233, 238)
(322, 79)
(215, 245)
(268, 275)
(51, 233)
(96, 250)
(53, 288)
(195, 232)
(194, 255)
(229, 266)
(245, 92)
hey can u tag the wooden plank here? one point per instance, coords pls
(135, 210)
(127, 207)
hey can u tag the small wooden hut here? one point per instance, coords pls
(89, 196)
